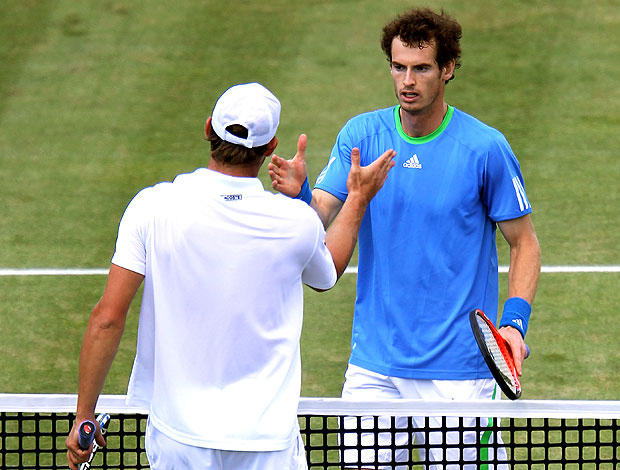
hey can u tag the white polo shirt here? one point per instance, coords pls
(218, 358)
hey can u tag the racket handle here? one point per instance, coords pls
(87, 434)
(527, 351)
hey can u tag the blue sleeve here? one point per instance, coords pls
(333, 178)
(504, 191)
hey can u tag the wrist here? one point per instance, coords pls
(516, 314)
(305, 194)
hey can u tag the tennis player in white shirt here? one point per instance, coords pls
(223, 262)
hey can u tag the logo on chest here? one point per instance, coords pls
(413, 162)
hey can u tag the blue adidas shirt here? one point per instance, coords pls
(427, 253)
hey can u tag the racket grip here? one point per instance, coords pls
(527, 351)
(86, 434)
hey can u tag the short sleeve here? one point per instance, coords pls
(131, 241)
(504, 190)
(333, 178)
(320, 271)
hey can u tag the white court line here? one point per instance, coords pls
(53, 272)
(549, 269)
(349, 270)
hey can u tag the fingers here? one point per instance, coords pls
(387, 159)
(517, 346)
(279, 168)
(99, 437)
(524, 353)
(75, 455)
(302, 144)
(518, 363)
(355, 157)
(275, 165)
(72, 464)
(382, 165)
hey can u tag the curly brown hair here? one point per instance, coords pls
(421, 26)
(234, 154)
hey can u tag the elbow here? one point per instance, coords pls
(317, 289)
(104, 319)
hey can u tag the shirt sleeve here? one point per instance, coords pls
(320, 271)
(131, 242)
(333, 178)
(504, 189)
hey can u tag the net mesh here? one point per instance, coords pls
(402, 434)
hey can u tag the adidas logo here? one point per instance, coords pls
(519, 322)
(413, 162)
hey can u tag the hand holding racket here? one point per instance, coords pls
(497, 354)
(86, 434)
(86, 437)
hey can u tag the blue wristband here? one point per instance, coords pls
(305, 194)
(516, 314)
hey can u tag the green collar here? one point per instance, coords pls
(426, 138)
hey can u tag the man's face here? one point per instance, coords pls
(418, 80)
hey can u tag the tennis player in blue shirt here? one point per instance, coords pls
(427, 252)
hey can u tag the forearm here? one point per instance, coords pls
(341, 237)
(362, 185)
(524, 270)
(326, 205)
(99, 348)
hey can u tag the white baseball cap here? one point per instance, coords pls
(252, 106)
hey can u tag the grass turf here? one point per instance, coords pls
(98, 100)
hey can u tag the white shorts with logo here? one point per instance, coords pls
(167, 454)
(362, 384)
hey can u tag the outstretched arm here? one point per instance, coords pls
(103, 334)
(343, 219)
(522, 276)
(363, 183)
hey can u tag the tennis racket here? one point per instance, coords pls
(497, 354)
(87, 436)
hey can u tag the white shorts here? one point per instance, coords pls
(167, 454)
(362, 384)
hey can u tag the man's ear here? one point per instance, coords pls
(208, 127)
(448, 70)
(271, 146)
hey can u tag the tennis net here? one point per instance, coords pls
(402, 434)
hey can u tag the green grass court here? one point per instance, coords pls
(100, 99)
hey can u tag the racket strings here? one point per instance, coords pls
(497, 354)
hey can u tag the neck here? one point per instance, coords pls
(246, 171)
(422, 123)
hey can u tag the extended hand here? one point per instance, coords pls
(287, 176)
(366, 181)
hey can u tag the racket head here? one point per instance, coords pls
(496, 353)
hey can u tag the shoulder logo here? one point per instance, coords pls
(524, 204)
(413, 162)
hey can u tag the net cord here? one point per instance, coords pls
(568, 409)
